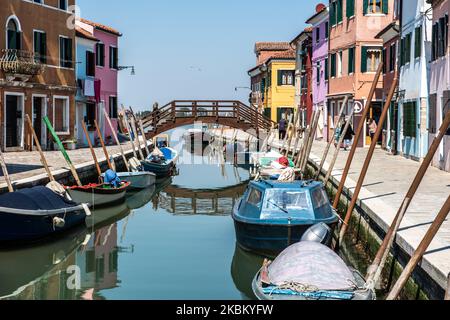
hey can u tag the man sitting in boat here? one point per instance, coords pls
(156, 156)
(286, 171)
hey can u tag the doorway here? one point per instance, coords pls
(39, 112)
(13, 123)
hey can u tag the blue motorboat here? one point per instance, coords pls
(162, 166)
(273, 215)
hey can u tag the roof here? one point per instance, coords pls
(394, 26)
(271, 46)
(101, 27)
(305, 33)
(80, 32)
(317, 14)
(284, 55)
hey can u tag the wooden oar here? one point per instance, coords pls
(102, 142)
(141, 126)
(63, 151)
(94, 156)
(127, 124)
(38, 146)
(5, 172)
(116, 139)
(136, 137)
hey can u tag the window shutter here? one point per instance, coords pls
(69, 53)
(446, 34)
(433, 43)
(363, 59)
(432, 114)
(333, 13)
(418, 42)
(339, 11)
(384, 60)
(442, 37)
(43, 47)
(351, 60)
(280, 77)
(18, 43)
(385, 6)
(350, 8)
(408, 48)
(61, 52)
(365, 6)
(326, 69)
(333, 65)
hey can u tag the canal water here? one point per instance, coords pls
(173, 241)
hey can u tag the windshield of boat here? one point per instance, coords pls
(286, 200)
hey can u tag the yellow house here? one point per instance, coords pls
(273, 81)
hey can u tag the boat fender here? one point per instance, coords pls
(86, 209)
(58, 222)
(320, 233)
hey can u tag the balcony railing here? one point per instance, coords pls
(20, 62)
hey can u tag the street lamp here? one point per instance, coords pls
(133, 72)
(237, 88)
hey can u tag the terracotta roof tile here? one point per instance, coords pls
(84, 34)
(289, 54)
(101, 27)
(272, 46)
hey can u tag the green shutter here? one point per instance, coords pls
(339, 11)
(350, 8)
(351, 60)
(418, 42)
(384, 60)
(37, 45)
(365, 6)
(385, 6)
(326, 69)
(363, 59)
(333, 13)
(408, 45)
(280, 78)
(333, 65)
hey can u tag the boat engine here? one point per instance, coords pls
(320, 233)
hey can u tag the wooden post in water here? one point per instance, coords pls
(94, 156)
(383, 252)
(116, 139)
(141, 126)
(38, 146)
(103, 145)
(63, 151)
(287, 135)
(358, 134)
(5, 172)
(338, 148)
(331, 138)
(419, 253)
(136, 138)
(127, 124)
(311, 142)
(366, 165)
(292, 134)
(305, 141)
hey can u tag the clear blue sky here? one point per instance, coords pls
(193, 49)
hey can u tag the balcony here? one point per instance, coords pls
(20, 64)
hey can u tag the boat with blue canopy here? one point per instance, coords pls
(162, 161)
(272, 215)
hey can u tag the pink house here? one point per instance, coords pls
(106, 74)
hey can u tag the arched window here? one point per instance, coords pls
(13, 34)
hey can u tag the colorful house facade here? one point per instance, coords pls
(37, 72)
(439, 99)
(354, 56)
(106, 76)
(303, 75)
(320, 66)
(415, 54)
(273, 78)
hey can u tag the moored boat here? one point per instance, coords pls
(98, 194)
(138, 180)
(273, 215)
(310, 271)
(37, 213)
(162, 166)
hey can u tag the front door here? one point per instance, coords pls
(38, 114)
(13, 122)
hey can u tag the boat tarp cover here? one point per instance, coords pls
(37, 198)
(313, 265)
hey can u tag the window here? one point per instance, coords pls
(350, 8)
(281, 201)
(318, 73)
(376, 6)
(333, 7)
(384, 60)
(407, 48)
(339, 64)
(327, 28)
(65, 52)
(339, 13)
(432, 114)
(254, 197)
(63, 5)
(61, 114)
(418, 42)
(113, 58)
(286, 77)
(40, 47)
(439, 38)
(392, 57)
(100, 56)
(351, 60)
(320, 198)
(333, 65)
(326, 70)
(90, 116)
(113, 113)
(409, 119)
(14, 35)
(317, 34)
(90, 64)
(370, 59)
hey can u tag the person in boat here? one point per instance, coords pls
(282, 128)
(112, 179)
(287, 173)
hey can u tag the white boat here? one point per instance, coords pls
(98, 195)
(138, 180)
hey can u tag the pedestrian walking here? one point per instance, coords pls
(282, 128)
(348, 137)
(373, 127)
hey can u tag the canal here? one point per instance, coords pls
(174, 241)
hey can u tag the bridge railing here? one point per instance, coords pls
(201, 109)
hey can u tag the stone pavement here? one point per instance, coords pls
(386, 184)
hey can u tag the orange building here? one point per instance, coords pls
(355, 54)
(37, 71)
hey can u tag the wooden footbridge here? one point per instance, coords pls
(229, 113)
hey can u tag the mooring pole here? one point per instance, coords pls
(358, 134)
(127, 125)
(419, 253)
(331, 138)
(388, 241)
(305, 142)
(5, 172)
(338, 148)
(94, 156)
(366, 165)
(311, 142)
(294, 133)
(116, 138)
(102, 142)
